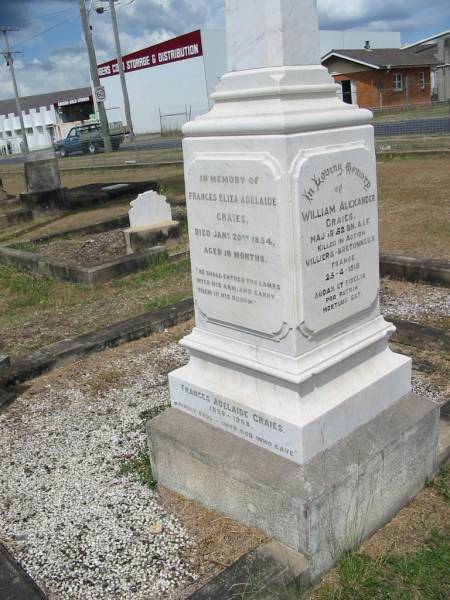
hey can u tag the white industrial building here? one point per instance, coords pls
(171, 82)
(47, 117)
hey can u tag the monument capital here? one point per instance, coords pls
(271, 33)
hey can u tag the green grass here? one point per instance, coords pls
(418, 112)
(160, 271)
(422, 575)
(139, 469)
(36, 310)
(20, 290)
(164, 301)
(442, 483)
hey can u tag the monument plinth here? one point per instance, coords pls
(290, 352)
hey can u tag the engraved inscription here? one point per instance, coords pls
(233, 228)
(339, 236)
(252, 425)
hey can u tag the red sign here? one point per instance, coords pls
(185, 46)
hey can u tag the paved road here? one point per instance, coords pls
(157, 144)
(388, 129)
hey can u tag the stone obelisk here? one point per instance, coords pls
(292, 414)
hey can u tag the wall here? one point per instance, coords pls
(443, 72)
(370, 96)
(38, 123)
(169, 87)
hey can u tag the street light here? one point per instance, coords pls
(100, 9)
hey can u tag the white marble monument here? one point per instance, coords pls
(289, 352)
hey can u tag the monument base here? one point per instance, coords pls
(321, 508)
(47, 200)
(142, 238)
(55, 199)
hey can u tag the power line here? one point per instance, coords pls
(26, 41)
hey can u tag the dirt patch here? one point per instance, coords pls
(219, 541)
(91, 249)
(413, 202)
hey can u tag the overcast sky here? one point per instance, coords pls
(54, 57)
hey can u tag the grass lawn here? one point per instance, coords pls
(408, 143)
(418, 112)
(413, 196)
(13, 180)
(414, 207)
(35, 311)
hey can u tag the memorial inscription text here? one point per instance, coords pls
(339, 236)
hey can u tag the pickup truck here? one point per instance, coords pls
(88, 139)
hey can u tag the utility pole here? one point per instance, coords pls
(123, 82)
(94, 75)
(10, 62)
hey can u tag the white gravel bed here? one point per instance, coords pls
(415, 302)
(79, 530)
(424, 388)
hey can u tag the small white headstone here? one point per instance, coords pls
(149, 209)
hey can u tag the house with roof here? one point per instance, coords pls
(387, 77)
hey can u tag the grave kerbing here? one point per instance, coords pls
(290, 352)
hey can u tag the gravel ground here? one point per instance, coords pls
(80, 530)
(414, 301)
(95, 248)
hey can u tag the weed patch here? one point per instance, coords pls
(139, 469)
(442, 483)
(20, 290)
(153, 412)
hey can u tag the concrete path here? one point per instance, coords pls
(15, 583)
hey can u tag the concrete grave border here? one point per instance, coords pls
(15, 583)
(15, 217)
(65, 270)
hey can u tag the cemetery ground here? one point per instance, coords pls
(82, 516)
(36, 311)
(89, 523)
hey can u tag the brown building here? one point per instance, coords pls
(383, 78)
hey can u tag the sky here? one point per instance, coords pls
(52, 43)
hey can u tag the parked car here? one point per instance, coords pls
(88, 139)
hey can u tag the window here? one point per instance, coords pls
(422, 80)
(398, 82)
(30, 130)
